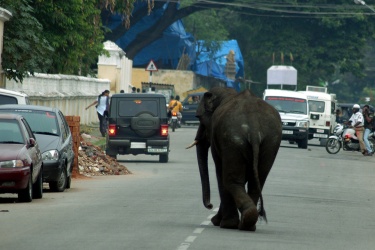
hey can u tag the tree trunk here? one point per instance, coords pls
(171, 15)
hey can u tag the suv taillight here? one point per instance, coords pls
(112, 129)
(164, 130)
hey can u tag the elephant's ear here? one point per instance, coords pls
(208, 99)
(203, 104)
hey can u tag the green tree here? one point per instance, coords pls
(208, 28)
(74, 29)
(321, 36)
(25, 49)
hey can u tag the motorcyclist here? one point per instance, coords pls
(356, 121)
(176, 106)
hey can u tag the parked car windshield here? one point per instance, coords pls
(134, 107)
(10, 132)
(41, 122)
(288, 104)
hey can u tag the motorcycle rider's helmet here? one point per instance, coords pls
(356, 106)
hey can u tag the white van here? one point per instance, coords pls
(13, 97)
(294, 110)
(322, 107)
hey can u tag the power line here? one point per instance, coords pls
(280, 8)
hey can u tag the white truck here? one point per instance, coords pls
(322, 117)
(294, 112)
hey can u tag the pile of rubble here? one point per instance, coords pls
(93, 161)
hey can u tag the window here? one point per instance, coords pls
(10, 131)
(316, 106)
(4, 99)
(132, 107)
(64, 127)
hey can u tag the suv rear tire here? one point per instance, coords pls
(163, 158)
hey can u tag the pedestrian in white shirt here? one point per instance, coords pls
(102, 105)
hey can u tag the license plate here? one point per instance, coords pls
(321, 135)
(157, 150)
(138, 145)
(287, 132)
(320, 130)
(174, 117)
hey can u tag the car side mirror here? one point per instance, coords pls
(32, 142)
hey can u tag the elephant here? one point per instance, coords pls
(244, 133)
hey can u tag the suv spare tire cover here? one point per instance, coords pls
(145, 124)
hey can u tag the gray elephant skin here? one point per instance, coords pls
(244, 133)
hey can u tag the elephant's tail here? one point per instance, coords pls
(261, 210)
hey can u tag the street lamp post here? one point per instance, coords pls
(361, 2)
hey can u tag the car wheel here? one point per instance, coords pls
(60, 184)
(26, 195)
(163, 158)
(38, 186)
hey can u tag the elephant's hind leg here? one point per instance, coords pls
(234, 183)
(249, 218)
(227, 216)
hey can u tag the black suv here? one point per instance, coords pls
(138, 124)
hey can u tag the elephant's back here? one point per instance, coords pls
(246, 117)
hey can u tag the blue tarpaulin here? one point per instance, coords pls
(214, 65)
(166, 50)
(175, 41)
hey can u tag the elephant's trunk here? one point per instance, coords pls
(202, 155)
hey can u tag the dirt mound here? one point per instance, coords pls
(92, 160)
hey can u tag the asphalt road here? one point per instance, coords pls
(313, 201)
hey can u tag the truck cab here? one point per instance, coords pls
(294, 112)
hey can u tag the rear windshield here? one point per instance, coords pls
(4, 99)
(134, 107)
(41, 122)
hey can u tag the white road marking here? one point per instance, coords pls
(190, 239)
(183, 246)
(198, 230)
(205, 223)
(210, 216)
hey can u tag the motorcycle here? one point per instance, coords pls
(345, 138)
(175, 121)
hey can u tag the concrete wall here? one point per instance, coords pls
(71, 94)
(5, 15)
